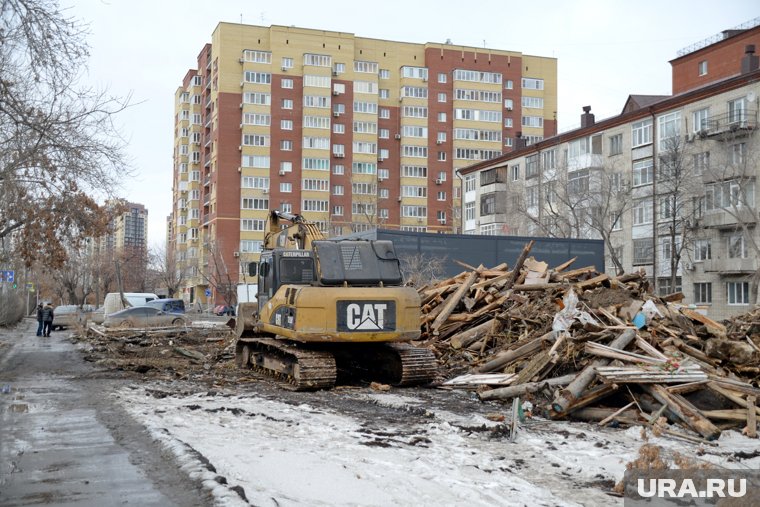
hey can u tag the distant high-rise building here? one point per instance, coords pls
(351, 132)
(125, 241)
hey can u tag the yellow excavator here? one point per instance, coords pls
(329, 309)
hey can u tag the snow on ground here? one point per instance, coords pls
(306, 454)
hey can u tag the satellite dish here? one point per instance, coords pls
(751, 96)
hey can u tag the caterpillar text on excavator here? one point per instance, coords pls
(329, 308)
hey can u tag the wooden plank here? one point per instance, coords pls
(751, 417)
(519, 264)
(576, 272)
(569, 395)
(452, 301)
(615, 414)
(684, 410)
(592, 282)
(504, 359)
(505, 393)
(597, 349)
(565, 265)
(472, 335)
(713, 327)
(650, 349)
(489, 379)
(731, 396)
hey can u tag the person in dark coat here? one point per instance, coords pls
(39, 319)
(47, 319)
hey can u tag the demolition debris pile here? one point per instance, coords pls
(582, 344)
(195, 352)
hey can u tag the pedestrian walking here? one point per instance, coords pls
(47, 318)
(39, 319)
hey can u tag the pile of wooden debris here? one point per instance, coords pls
(582, 344)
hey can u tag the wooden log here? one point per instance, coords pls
(615, 414)
(519, 264)
(688, 388)
(587, 398)
(576, 272)
(565, 265)
(537, 286)
(597, 349)
(713, 327)
(727, 414)
(504, 393)
(596, 414)
(492, 281)
(593, 282)
(650, 349)
(731, 396)
(684, 410)
(452, 301)
(751, 417)
(568, 396)
(736, 385)
(504, 359)
(472, 335)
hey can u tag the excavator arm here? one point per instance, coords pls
(298, 235)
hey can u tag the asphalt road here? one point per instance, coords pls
(63, 442)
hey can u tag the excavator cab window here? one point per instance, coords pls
(253, 268)
(296, 270)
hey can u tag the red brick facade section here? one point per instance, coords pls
(723, 60)
(277, 198)
(445, 61)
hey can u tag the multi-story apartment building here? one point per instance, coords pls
(669, 184)
(351, 132)
(126, 241)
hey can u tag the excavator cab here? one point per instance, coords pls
(284, 267)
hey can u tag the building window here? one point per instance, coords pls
(384, 113)
(286, 83)
(441, 97)
(641, 133)
(337, 190)
(700, 118)
(531, 166)
(665, 287)
(515, 172)
(339, 169)
(703, 293)
(642, 251)
(286, 187)
(702, 250)
(669, 126)
(337, 211)
(287, 103)
(532, 84)
(702, 68)
(508, 84)
(616, 221)
(442, 77)
(701, 162)
(384, 74)
(616, 144)
(738, 293)
(643, 172)
(287, 63)
(384, 93)
(488, 204)
(442, 117)
(642, 212)
(286, 124)
(286, 145)
(441, 156)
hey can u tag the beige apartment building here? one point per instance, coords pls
(669, 184)
(353, 133)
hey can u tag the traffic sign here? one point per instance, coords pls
(7, 275)
(208, 292)
(30, 287)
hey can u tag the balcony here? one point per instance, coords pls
(734, 124)
(718, 219)
(731, 266)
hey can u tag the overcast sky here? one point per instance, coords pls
(606, 50)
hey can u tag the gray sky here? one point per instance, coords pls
(606, 50)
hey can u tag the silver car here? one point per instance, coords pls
(143, 316)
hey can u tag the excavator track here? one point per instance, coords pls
(398, 364)
(299, 369)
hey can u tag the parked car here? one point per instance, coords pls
(71, 315)
(113, 303)
(168, 305)
(143, 316)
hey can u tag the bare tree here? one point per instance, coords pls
(218, 274)
(678, 183)
(582, 203)
(168, 272)
(59, 149)
(74, 278)
(419, 270)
